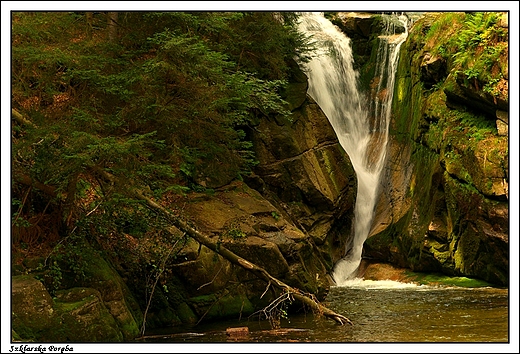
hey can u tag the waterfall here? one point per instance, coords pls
(361, 123)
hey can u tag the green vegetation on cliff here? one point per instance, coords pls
(150, 101)
(162, 100)
(451, 112)
(159, 98)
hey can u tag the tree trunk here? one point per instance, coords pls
(89, 18)
(21, 119)
(260, 272)
(112, 26)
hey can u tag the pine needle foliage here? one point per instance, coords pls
(161, 99)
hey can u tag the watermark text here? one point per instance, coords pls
(26, 348)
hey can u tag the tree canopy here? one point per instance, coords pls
(161, 100)
(158, 97)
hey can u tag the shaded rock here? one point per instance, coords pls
(296, 90)
(433, 69)
(76, 315)
(33, 310)
(258, 250)
(473, 98)
(306, 174)
(355, 24)
(85, 317)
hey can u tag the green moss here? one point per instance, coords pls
(226, 306)
(440, 279)
(440, 251)
(185, 313)
(407, 108)
(84, 320)
(24, 329)
(166, 317)
(327, 160)
(15, 337)
(65, 307)
(232, 305)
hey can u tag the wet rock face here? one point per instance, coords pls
(311, 179)
(446, 181)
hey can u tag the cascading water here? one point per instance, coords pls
(361, 127)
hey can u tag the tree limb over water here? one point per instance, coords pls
(303, 297)
(260, 272)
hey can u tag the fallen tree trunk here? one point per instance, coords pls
(28, 181)
(260, 272)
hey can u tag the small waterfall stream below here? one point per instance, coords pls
(361, 125)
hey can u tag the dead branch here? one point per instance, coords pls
(28, 181)
(212, 280)
(260, 272)
(21, 119)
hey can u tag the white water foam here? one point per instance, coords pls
(359, 283)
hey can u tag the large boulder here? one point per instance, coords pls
(74, 315)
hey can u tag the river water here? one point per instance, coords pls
(381, 312)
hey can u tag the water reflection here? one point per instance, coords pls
(382, 311)
(391, 312)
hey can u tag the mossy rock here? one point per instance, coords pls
(32, 308)
(114, 293)
(439, 279)
(85, 320)
(185, 313)
(75, 315)
(229, 305)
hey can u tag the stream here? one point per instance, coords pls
(382, 311)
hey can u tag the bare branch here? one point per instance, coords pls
(260, 272)
(212, 280)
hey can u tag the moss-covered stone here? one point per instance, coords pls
(448, 213)
(75, 315)
(441, 279)
(226, 305)
(33, 311)
(85, 320)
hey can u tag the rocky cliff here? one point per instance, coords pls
(289, 217)
(445, 202)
